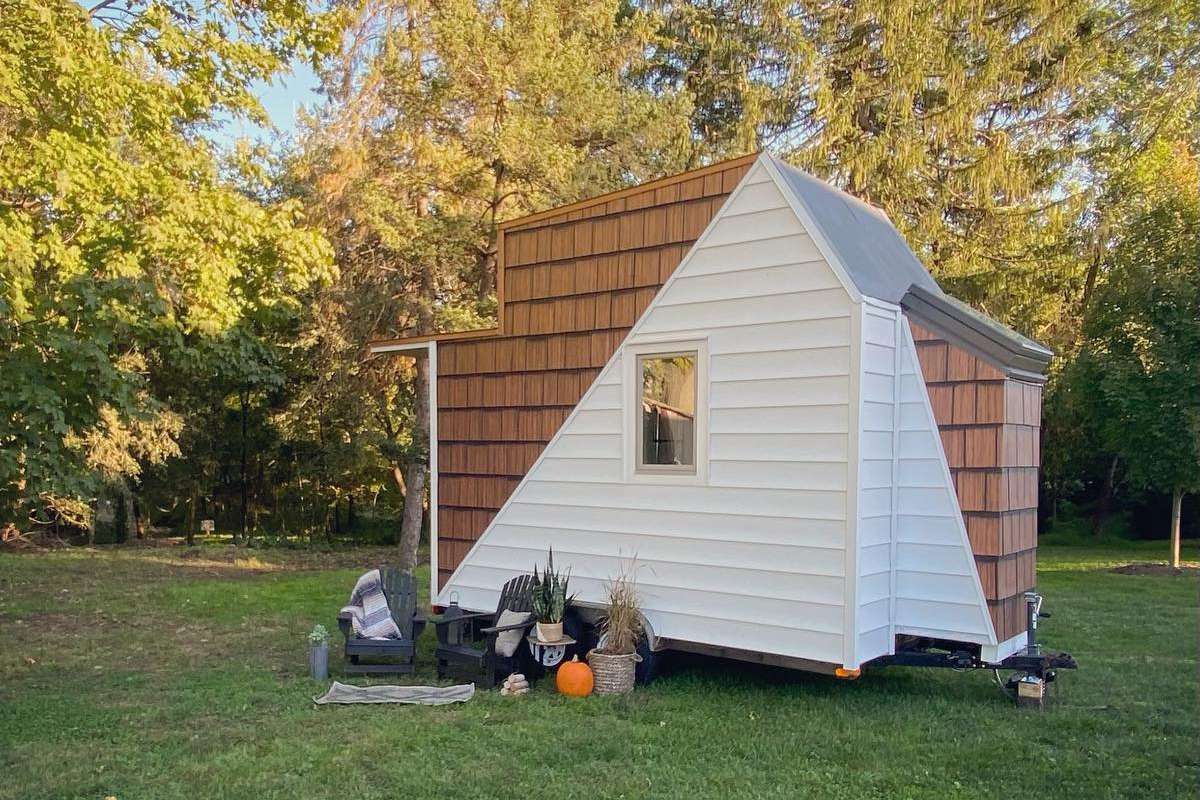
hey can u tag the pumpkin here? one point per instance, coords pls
(575, 678)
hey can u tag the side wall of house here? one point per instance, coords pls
(990, 426)
(916, 571)
(574, 283)
(752, 554)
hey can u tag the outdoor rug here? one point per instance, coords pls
(343, 693)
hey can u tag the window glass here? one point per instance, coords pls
(668, 424)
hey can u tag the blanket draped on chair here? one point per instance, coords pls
(368, 609)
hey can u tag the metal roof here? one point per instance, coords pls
(880, 264)
(872, 251)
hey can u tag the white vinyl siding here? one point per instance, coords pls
(754, 556)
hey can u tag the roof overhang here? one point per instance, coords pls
(1015, 355)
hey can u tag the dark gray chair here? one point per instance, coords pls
(459, 637)
(387, 655)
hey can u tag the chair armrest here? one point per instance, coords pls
(503, 628)
(442, 620)
(345, 624)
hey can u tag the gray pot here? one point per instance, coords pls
(318, 661)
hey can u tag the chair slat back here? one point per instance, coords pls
(401, 593)
(517, 595)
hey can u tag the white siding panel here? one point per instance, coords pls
(832, 418)
(781, 474)
(875, 474)
(751, 283)
(778, 446)
(606, 396)
(875, 502)
(874, 530)
(597, 470)
(794, 248)
(761, 196)
(731, 526)
(749, 227)
(824, 332)
(873, 559)
(873, 615)
(687, 498)
(654, 554)
(876, 586)
(816, 362)
(872, 644)
(597, 421)
(922, 473)
(779, 392)
(588, 445)
(879, 330)
(783, 307)
(933, 558)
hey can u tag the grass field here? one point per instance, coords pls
(142, 673)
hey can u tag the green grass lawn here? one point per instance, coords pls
(140, 673)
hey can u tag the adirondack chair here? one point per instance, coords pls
(387, 655)
(458, 653)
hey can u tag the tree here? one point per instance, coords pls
(1140, 360)
(445, 119)
(124, 244)
(970, 123)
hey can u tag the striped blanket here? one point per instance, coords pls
(368, 609)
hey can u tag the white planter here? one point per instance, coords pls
(549, 631)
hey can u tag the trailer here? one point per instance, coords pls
(741, 383)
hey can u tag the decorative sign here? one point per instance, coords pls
(207, 525)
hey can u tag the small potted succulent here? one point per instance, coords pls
(550, 600)
(318, 653)
(614, 660)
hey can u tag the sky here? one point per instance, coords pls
(282, 99)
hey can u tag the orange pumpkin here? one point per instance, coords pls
(575, 678)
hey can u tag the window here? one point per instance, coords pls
(666, 429)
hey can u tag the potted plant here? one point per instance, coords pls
(318, 653)
(550, 600)
(614, 660)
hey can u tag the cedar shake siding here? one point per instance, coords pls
(990, 426)
(573, 282)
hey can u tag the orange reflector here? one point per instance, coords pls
(847, 674)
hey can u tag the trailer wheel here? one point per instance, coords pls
(647, 669)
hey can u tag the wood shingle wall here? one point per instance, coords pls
(573, 282)
(990, 426)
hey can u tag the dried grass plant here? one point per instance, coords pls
(622, 624)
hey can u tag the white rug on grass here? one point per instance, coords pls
(416, 695)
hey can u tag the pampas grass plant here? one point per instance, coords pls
(622, 624)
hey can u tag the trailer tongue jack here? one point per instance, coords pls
(1032, 669)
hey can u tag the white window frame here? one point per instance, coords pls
(632, 401)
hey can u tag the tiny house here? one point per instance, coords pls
(743, 382)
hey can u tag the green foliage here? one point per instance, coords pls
(125, 248)
(318, 635)
(550, 600)
(1138, 368)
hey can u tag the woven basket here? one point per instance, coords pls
(613, 673)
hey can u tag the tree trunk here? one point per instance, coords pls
(1105, 504)
(414, 470)
(244, 400)
(191, 523)
(1176, 524)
